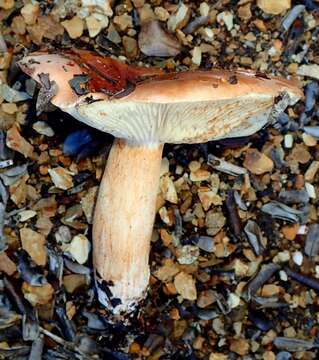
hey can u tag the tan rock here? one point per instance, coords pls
(17, 143)
(88, 203)
(180, 18)
(74, 27)
(130, 47)
(257, 162)
(34, 244)
(6, 4)
(218, 356)
(310, 70)
(30, 13)
(167, 271)
(239, 346)
(200, 175)
(74, 282)
(274, 7)
(214, 222)
(61, 178)
(123, 21)
(38, 295)
(161, 13)
(94, 26)
(168, 189)
(270, 290)
(185, 286)
(244, 12)
(79, 248)
(7, 265)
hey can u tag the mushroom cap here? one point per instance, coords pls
(143, 105)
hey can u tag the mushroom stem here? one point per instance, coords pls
(124, 219)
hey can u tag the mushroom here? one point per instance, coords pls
(144, 108)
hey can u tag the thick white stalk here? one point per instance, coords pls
(124, 219)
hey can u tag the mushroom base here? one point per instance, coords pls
(123, 223)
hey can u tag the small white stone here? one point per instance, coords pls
(310, 190)
(302, 230)
(310, 70)
(207, 34)
(204, 9)
(289, 140)
(297, 257)
(26, 215)
(233, 300)
(164, 166)
(43, 128)
(282, 256)
(317, 271)
(197, 55)
(227, 18)
(283, 275)
(79, 248)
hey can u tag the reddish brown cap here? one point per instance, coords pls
(144, 105)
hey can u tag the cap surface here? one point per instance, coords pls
(144, 105)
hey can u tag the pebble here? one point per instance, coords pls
(297, 258)
(208, 198)
(161, 13)
(166, 272)
(274, 7)
(282, 256)
(153, 40)
(288, 141)
(218, 356)
(239, 346)
(38, 295)
(26, 215)
(130, 47)
(43, 128)
(206, 243)
(79, 248)
(6, 4)
(74, 27)
(200, 175)
(269, 290)
(7, 265)
(214, 222)
(283, 275)
(187, 254)
(312, 171)
(309, 140)
(226, 18)
(17, 143)
(197, 55)
(185, 286)
(123, 22)
(206, 298)
(88, 203)
(311, 70)
(94, 26)
(34, 244)
(61, 178)
(180, 18)
(30, 13)
(257, 163)
(233, 300)
(74, 282)
(168, 189)
(310, 190)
